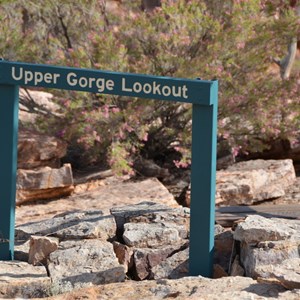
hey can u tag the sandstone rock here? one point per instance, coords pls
(21, 252)
(44, 183)
(218, 272)
(40, 248)
(144, 235)
(35, 150)
(84, 263)
(287, 273)
(252, 181)
(113, 192)
(236, 268)
(174, 267)
(145, 259)
(267, 242)
(152, 212)
(267, 253)
(124, 255)
(194, 288)
(257, 229)
(224, 249)
(71, 225)
(149, 168)
(19, 279)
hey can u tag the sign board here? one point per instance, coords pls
(203, 95)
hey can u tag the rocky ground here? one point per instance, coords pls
(97, 236)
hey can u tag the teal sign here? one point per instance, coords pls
(203, 95)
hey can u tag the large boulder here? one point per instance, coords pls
(270, 249)
(253, 181)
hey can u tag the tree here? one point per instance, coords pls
(234, 41)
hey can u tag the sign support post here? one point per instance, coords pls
(203, 95)
(9, 105)
(203, 181)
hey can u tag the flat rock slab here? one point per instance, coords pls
(152, 212)
(72, 225)
(194, 288)
(144, 235)
(253, 181)
(111, 193)
(257, 229)
(19, 279)
(84, 263)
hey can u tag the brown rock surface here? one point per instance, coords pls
(20, 279)
(108, 193)
(35, 150)
(39, 249)
(195, 288)
(44, 183)
(253, 181)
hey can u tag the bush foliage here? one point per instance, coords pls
(234, 41)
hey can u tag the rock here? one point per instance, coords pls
(194, 288)
(149, 168)
(292, 194)
(144, 235)
(257, 229)
(145, 259)
(174, 267)
(152, 212)
(124, 255)
(236, 268)
(224, 249)
(40, 248)
(287, 273)
(254, 181)
(21, 250)
(44, 183)
(19, 279)
(267, 242)
(267, 253)
(36, 150)
(72, 225)
(84, 263)
(219, 272)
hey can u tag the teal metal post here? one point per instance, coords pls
(9, 99)
(203, 181)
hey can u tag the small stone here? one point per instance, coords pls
(236, 268)
(40, 248)
(219, 272)
(174, 267)
(124, 255)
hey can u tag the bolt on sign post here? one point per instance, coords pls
(203, 95)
